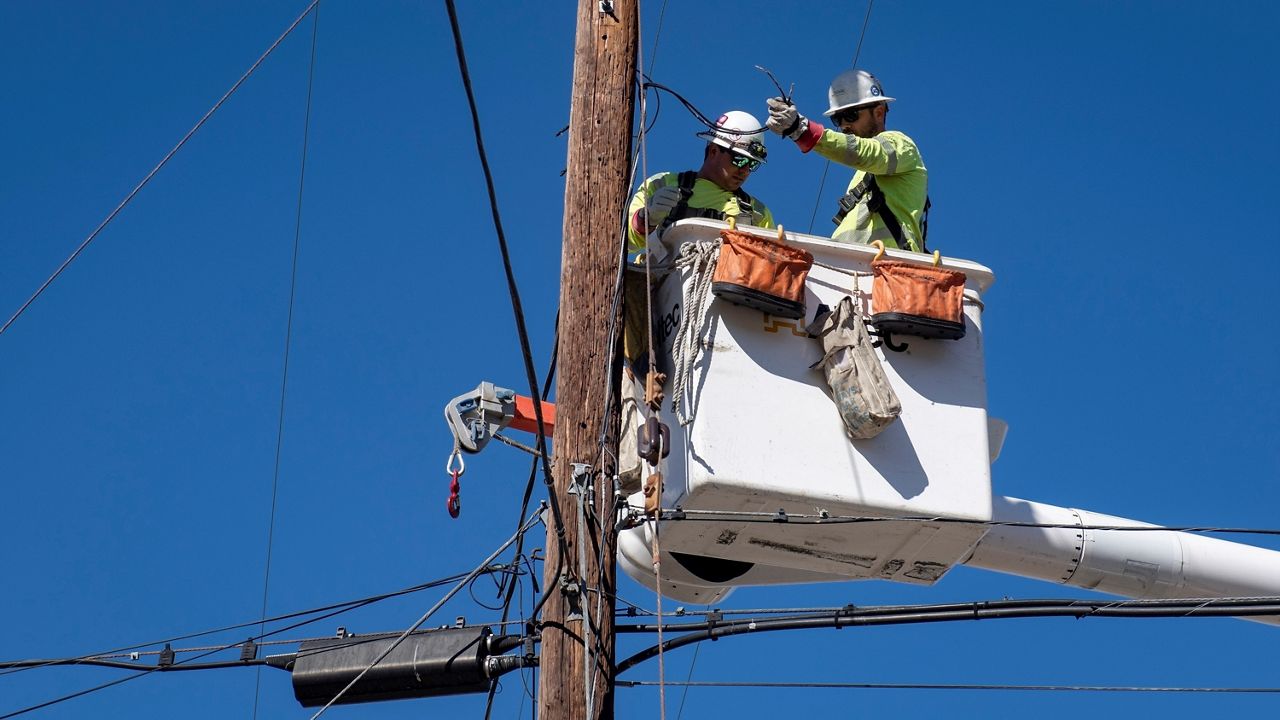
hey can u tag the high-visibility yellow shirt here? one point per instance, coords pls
(895, 161)
(706, 195)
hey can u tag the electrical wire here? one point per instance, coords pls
(328, 611)
(866, 20)
(138, 188)
(533, 520)
(288, 337)
(697, 114)
(188, 664)
(782, 517)
(516, 307)
(951, 686)
(853, 616)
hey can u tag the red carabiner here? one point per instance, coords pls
(454, 505)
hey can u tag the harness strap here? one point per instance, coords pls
(869, 190)
(685, 181)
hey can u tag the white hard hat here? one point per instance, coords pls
(854, 88)
(739, 131)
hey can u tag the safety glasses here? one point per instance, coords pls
(742, 161)
(850, 115)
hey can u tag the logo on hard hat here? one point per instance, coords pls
(722, 120)
(875, 91)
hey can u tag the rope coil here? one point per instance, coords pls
(699, 261)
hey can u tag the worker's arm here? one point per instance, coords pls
(660, 195)
(888, 153)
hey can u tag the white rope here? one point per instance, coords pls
(700, 261)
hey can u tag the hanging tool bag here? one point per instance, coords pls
(859, 386)
(761, 274)
(917, 300)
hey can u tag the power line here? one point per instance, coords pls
(782, 517)
(533, 519)
(950, 686)
(853, 616)
(19, 666)
(288, 337)
(156, 169)
(329, 611)
(516, 307)
(866, 20)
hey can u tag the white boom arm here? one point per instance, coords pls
(1137, 564)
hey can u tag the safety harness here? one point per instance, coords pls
(685, 181)
(868, 190)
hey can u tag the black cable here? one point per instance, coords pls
(138, 188)
(697, 114)
(330, 610)
(866, 20)
(288, 337)
(533, 519)
(191, 661)
(948, 686)
(516, 307)
(909, 614)
(682, 515)
(121, 665)
(524, 502)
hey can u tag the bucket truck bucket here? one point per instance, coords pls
(762, 434)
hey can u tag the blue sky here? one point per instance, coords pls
(1111, 162)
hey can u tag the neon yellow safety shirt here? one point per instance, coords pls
(895, 161)
(706, 195)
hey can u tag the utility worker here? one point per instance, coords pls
(734, 149)
(887, 198)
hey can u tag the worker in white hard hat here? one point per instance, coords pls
(888, 197)
(735, 148)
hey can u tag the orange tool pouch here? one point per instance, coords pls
(761, 274)
(917, 300)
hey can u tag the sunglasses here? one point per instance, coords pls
(850, 115)
(742, 161)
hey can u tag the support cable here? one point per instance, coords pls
(952, 686)
(533, 520)
(742, 516)
(1007, 609)
(288, 337)
(156, 169)
(866, 20)
(516, 307)
(328, 611)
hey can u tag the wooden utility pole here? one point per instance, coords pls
(578, 626)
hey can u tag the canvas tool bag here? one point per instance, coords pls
(917, 300)
(762, 274)
(859, 386)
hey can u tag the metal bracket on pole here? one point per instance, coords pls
(572, 593)
(580, 483)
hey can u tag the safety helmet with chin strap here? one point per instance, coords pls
(852, 89)
(738, 131)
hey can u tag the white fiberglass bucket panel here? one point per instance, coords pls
(766, 435)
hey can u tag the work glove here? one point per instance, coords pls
(785, 120)
(660, 204)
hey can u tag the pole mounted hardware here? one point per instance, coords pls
(428, 663)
